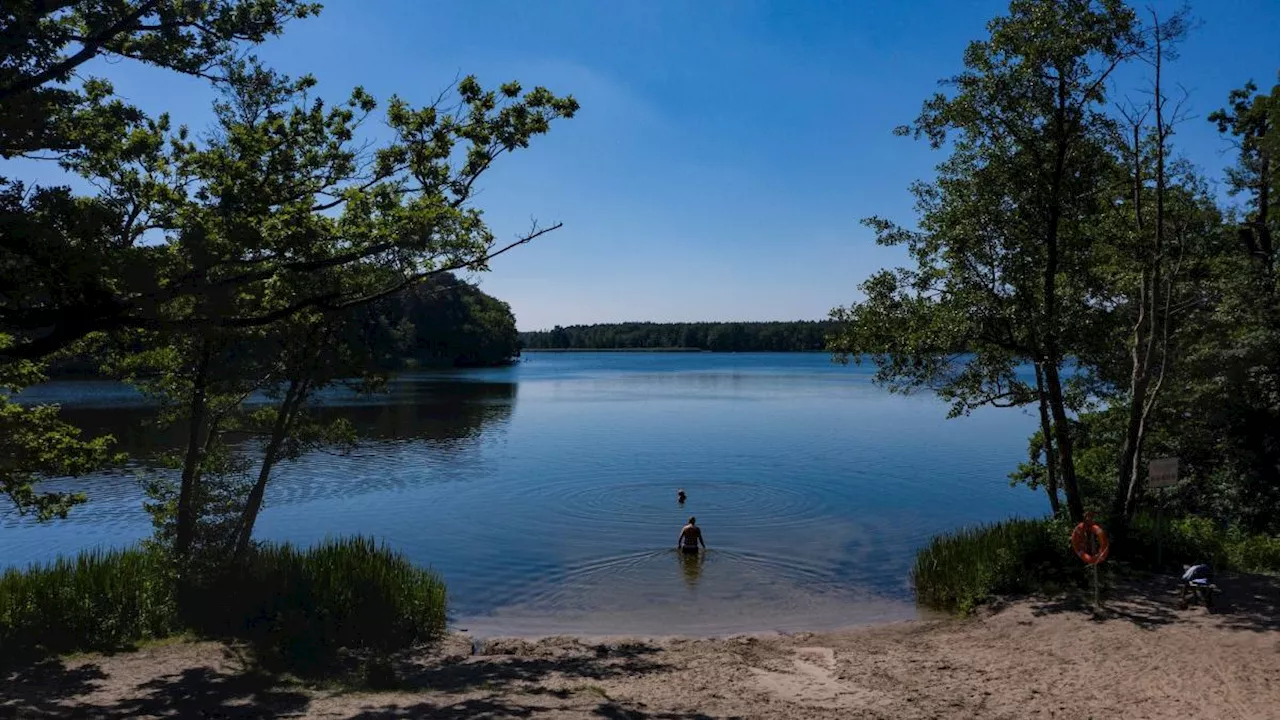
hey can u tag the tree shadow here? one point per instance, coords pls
(494, 707)
(598, 662)
(490, 707)
(41, 689)
(614, 711)
(1249, 602)
(509, 681)
(1246, 602)
(505, 682)
(52, 690)
(205, 692)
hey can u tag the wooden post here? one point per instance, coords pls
(1097, 604)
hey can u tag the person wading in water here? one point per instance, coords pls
(691, 537)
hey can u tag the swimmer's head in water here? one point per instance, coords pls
(693, 521)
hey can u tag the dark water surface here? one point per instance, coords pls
(545, 492)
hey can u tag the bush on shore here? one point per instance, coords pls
(98, 600)
(300, 607)
(297, 607)
(1195, 540)
(958, 571)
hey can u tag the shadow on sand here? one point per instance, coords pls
(1246, 602)
(51, 689)
(499, 684)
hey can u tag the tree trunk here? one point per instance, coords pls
(1062, 435)
(1151, 332)
(280, 430)
(186, 520)
(1131, 450)
(1052, 357)
(1140, 357)
(1046, 431)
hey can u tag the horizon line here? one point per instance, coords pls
(675, 322)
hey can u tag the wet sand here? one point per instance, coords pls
(1145, 657)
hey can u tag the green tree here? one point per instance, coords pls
(1004, 241)
(285, 211)
(83, 269)
(35, 445)
(1162, 235)
(73, 264)
(69, 263)
(444, 321)
(1238, 355)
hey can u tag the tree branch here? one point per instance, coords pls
(91, 47)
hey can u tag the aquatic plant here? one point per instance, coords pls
(99, 599)
(298, 607)
(301, 606)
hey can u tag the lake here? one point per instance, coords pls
(545, 493)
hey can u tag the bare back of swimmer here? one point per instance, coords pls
(691, 537)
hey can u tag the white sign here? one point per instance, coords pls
(1162, 472)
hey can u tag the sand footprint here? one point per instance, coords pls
(812, 681)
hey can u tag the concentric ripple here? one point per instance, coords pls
(596, 500)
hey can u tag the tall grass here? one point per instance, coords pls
(960, 570)
(97, 600)
(299, 607)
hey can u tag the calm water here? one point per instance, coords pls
(545, 492)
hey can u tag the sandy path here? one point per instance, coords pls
(1032, 659)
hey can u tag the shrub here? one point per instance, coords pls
(958, 571)
(1194, 540)
(1185, 541)
(101, 599)
(1253, 553)
(300, 607)
(297, 607)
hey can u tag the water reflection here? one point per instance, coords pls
(691, 566)
(419, 433)
(430, 410)
(433, 410)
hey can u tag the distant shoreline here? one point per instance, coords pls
(572, 350)
(663, 350)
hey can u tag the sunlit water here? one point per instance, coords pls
(546, 493)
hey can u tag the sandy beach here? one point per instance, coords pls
(1038, 658)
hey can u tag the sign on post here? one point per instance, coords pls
(1162, 472)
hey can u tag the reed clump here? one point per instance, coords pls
(298, 607)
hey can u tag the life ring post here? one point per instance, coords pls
(1091, 544)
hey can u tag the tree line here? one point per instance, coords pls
(442, 322)
(795, 336)
(1063, 226)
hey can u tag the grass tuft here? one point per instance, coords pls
(960, 570)
(298, 608)
(98, 600)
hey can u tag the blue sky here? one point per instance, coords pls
(726, 149)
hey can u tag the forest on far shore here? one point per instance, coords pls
(793, 336)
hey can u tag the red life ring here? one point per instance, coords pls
(1086, 531)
